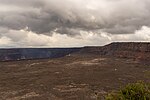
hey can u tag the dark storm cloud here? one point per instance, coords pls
(69, 17)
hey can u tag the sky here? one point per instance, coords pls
(73, 23)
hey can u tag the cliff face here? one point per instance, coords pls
(138, 51)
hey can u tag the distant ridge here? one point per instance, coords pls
(34, 53)
(134, 50)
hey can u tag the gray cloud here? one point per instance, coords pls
(44, 16)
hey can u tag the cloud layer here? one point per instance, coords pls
(74, 22)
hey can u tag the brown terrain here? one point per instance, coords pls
(91, 72)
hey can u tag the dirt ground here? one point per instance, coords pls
(69, 78)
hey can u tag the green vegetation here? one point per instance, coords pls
(147, 74)
(136, 91)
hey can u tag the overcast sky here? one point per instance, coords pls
(71, 23)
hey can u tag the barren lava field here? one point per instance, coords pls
(72, 77)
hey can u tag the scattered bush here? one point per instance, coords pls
(136, 91)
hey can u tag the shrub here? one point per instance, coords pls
(136, 91)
